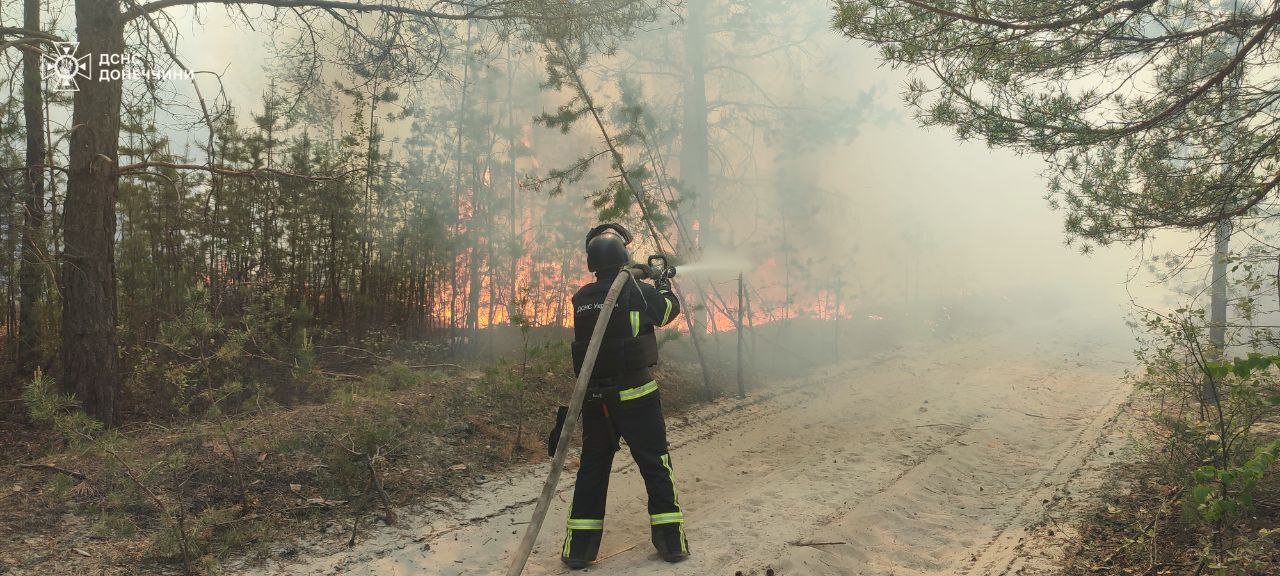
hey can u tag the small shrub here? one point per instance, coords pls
(1224, 494)
(113, 524)
(58, 486)
(209, 356)
(394, 376)
(59, 412)
(1209, 411)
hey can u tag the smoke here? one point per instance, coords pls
(848, 209)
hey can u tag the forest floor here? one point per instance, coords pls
(1007, 448)
(971, 456)
(256, 482)
(1135, 521)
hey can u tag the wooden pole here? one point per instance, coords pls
(570, 423)
(697, 348)
(742, 390)
(752, 325)
(835, 339)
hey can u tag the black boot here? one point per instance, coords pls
(581, 548)
(670, 541)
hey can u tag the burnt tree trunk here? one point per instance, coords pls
(31, 274)
(89, 356)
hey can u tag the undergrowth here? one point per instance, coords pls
(191, 494)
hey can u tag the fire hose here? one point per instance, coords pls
(575, 406)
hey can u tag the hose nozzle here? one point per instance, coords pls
(660, 268)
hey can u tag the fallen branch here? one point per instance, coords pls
(389, 515)
(376, 356)
(815, 544)
(375, 483)
(612, 554)
(427, 366)
(355, 528)
(245, 518)
(341, 375)
(52, 468)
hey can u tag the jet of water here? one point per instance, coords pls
(710, 263)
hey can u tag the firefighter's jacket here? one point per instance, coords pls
(630, 346)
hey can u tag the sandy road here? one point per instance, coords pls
(930, 460)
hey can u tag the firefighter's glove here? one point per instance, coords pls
(554, 438)
(662, 283)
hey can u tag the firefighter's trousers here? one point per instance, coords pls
(635, 415)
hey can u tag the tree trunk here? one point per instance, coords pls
(513, 181)
(31, 274)
(1218, 305)
(90, 364)
(1221, 252)
(694, 150)
(366, 235)
(454, 217)
(9, 184)
(474, 261)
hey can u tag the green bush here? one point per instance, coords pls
(214, 355)
(58, 412)
(1209, 411)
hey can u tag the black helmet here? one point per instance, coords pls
(607, 247)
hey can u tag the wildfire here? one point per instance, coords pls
(543, 291)
(537, 287)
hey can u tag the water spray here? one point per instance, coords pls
(710, 263)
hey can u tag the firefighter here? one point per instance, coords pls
(622, 402)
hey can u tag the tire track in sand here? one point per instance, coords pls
(924, 462)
